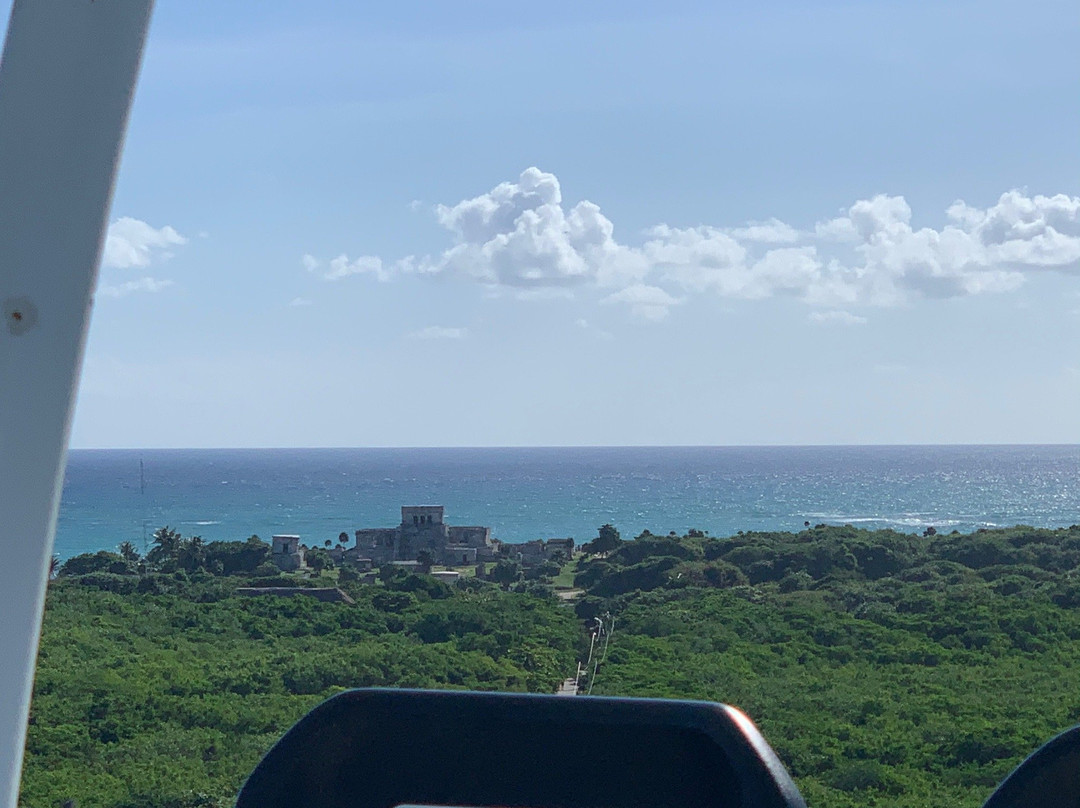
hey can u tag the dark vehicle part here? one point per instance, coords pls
(1050, 778)
(385, 748)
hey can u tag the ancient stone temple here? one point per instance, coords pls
(423, 530)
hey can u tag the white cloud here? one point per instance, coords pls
(439, 332)
(300, 301)
(521, 238)
(647, 302)
(133, 243)
(836, 317)
(1035, 232)
(697, 258)
(342, 267)
(126, 288)
(773, 231)
(519, 235)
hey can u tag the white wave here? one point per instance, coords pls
(905, 520)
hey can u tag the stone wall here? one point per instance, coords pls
(379, 544)
(453, 556)
(471, 536)
(418, 515)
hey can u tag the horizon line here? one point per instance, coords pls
(927, 445)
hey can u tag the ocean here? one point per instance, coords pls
(529, 493)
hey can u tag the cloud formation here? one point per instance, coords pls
(127, 287)
(134, 243)
(521, 237)
(646, 302)
(343, 267)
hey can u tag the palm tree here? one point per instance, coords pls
(192, 553)
(54, 566)
(167, 543)
(128, 552)
(167, 540)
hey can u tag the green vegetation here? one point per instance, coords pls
(565, 577)
(162, 690)
(887, 669)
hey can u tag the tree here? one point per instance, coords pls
(128, 552)
(343, 537)
(506, 573)
(388, 572)
(267, 569)
(319, 559)
(191, 554)
(426, 559)
(327, 544)
(607, 539)
(166, 549)
(236, 557)
(101, 561)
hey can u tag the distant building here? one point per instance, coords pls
(423, 530)
(536, 552)
(531, 552)
(286, 553)
(565, 546)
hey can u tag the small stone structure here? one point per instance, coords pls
(285, 552)
(536, 552)
(565, 546)
(423, 530)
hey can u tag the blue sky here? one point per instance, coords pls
(484, 223)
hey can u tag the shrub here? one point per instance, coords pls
(101, 561)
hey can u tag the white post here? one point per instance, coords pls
(66, 81)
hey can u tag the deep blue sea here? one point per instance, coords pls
(543, 493)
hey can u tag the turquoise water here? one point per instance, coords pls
(542, 493)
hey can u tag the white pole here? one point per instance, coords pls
(66, 81)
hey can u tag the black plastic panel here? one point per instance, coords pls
(384, 748)
(1050, 778)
